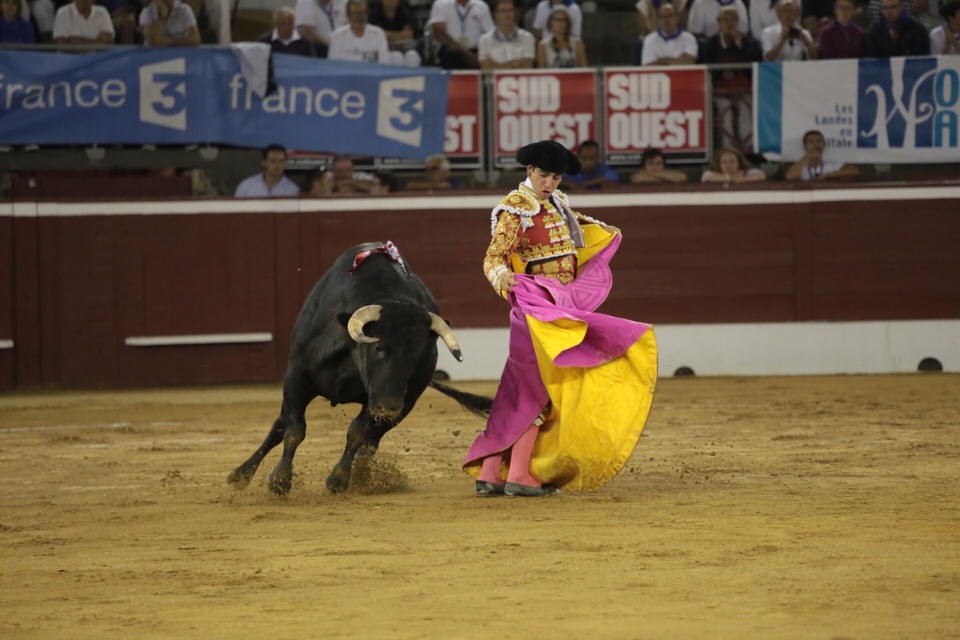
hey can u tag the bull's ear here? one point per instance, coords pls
(343, 319)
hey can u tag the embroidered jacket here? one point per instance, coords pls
(535, 232)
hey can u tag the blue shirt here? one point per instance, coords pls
(19, 31)
(256, 187)
(599, 171)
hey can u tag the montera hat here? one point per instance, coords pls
(550, 156)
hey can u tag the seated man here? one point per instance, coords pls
(813, 166)
(285, 38)
(271, 182)
(594, 175)
(652, 170)
(669, 44)
(896, 34)
(316, 21)
(945, 39)
(359, 41)
(786, 41)
(349, 180)
(169, 23)
(457, 25)
(842, 37)
(82, 22)
(437, 176)
(507, 46)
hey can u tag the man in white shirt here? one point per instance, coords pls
(271, 182)
(507, 46)
(546, 7)
(945, 39)
(813, 166)
(702, 22)
(359, 41)
(669, 44)
(81, 21)
(457, 25)
(169, 23)
(318, 19)
(786, 41)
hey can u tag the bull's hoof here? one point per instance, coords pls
(240, 477)
(366, 451)
(280, 485)
(338, 482)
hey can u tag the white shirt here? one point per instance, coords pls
(546, 7)
(762, 15)
(370, 47)
(656, 47)
(703, 16)
(465, 24)
(499, 48)
(256, 187)
(324, 19)
(826, 166)
(69, 23)
(938, 40)
(793, 49)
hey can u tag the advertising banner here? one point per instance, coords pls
(657, 108)
(202, 96)
(542, 105)
(894, 110)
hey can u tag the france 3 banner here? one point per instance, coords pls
(187, 96)
(655, 108)
(529, 106)
(895, 110)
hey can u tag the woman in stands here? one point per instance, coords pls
(729, 165)
(560, 49)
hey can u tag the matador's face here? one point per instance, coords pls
(544, 183)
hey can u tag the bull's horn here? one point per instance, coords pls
(442, 329)
(360, 317)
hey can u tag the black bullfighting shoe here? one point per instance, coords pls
(487, 489)
(523, 491)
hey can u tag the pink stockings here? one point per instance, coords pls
(520, 454)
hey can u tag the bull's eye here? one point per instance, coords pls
(378, 348)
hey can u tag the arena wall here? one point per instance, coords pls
(742, 281)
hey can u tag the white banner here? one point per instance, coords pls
(896, 110)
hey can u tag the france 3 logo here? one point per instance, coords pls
(908, 103)
(400, 110)
(163, 94)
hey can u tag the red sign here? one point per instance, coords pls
(662, 108)
(462, 143)
(542, 105)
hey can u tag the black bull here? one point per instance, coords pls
(366, 335)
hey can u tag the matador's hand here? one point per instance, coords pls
(506, 281)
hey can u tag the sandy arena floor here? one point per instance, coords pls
(824, 507)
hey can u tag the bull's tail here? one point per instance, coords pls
(477, 405)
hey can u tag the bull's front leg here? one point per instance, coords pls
(281, 479)
(357, 442)
(241, 476)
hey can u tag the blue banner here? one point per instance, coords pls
(181, 96)
(891, 110)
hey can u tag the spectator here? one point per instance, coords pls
(648, 18)
(560, 49)
(896, 34)
(842, 37)
(926, 12)
(815, 15)
(813, 166)
(322, 184)
(786, 41)
(669, 44)
(399, 23)
(385, 182)
(457, 25)
(732, 88)
(82, 22)
(316, 20)
(436, 176)
(348, 180)
(124, 17)
(546, 7)
(41, 14)
(945, 39)
(652, 170)
(763, 14)
(507, 46)
(703, 17)
(729, 165)
(285, 38)
(594, 175)
(13, 28)
(271, 182)
(169, 23)
(359, 41)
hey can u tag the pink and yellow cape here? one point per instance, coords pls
(598, 373)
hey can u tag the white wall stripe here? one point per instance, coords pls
(213, 338)
(6, 344)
